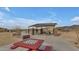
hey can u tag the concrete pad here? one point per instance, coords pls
(7, 48)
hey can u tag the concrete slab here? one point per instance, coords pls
(7, 48)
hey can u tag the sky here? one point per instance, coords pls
(22, 17)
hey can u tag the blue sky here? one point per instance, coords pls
(12, 17)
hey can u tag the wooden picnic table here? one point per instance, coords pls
(28, 44)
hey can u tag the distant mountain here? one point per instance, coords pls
(73, 27)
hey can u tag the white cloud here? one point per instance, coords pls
(7, 9)
(75, 20)
(14, 22)
(22, 22)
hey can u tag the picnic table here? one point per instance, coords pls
(32, 44)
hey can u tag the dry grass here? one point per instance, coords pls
(6, 38)
(71, 37)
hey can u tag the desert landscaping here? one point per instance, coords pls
(65, 42)
(6, 38)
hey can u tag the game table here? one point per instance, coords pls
(31, 44)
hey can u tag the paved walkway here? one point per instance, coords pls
(7, 48)
(58, 43)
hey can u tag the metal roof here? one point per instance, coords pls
(43, 24)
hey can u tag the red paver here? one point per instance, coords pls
(30, 46)
(45, 48)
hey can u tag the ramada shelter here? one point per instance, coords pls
(42, 28)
